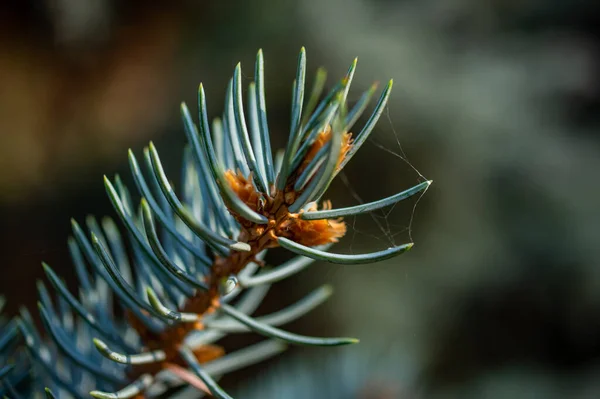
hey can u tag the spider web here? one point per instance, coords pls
(384, 222)
(384, 229)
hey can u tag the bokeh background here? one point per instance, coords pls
(497, 101)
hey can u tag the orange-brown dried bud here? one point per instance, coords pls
(244, 188)
(322, 139)
(313, 232)
(346, 145)
(207, 353)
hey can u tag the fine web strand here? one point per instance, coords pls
(382, 218)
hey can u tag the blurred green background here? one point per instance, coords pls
(497, 101)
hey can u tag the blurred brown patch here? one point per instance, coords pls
(63, 104)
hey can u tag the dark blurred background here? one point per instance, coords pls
(497, 101)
